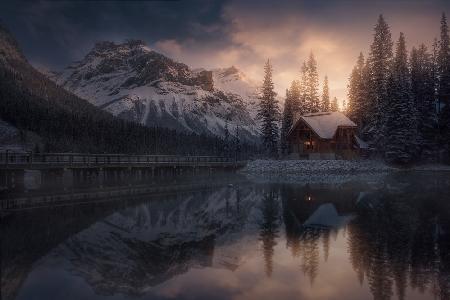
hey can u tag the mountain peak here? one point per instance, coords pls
(230, 71)
(105, 46)
(136, 83)
(135, 43)
(9, 48)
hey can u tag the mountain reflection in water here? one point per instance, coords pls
(385, 240)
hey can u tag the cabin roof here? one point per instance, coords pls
(325, 124)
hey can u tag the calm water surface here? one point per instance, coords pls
(381, 238)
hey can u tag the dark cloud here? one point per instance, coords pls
(55, 32)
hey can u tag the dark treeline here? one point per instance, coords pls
(398, 99)
(66, 123)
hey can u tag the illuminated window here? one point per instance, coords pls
(309, 145)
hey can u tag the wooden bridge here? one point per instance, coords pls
(14, 164)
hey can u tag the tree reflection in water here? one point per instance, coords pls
(401, 239)
(269, 227)
(400, 235)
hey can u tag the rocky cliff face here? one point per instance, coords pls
(136, 83)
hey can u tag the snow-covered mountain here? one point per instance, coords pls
(136, 83)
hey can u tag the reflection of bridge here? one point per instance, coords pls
(13, 165)
(35, 199)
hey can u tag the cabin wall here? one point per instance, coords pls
(304, 143)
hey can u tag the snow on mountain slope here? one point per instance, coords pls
(232, 80)
(136, 83)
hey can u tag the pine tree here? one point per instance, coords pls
(287, 122)
(226, 139)
(334, 104)
(269, 113)
(400, 115)
(298, 106)
(237, 144)
(357, 93)
(303, 91)
(423, 93)
(379, 62)
(325, 105)
(311, 85)
(444, 84)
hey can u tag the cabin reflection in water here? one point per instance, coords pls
(396, 245)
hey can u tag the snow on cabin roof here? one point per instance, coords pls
(325, 124)
(326, 215)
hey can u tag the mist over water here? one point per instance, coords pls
(235, 238)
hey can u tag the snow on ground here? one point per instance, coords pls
(431, 167)
(313, 167)
(327, 172)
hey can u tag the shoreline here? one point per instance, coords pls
(334, 167)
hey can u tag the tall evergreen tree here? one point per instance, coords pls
(298, 105)
(444, 83)
(226, 140)
(303, 85)
(379, 62)
(287, 122)
(357, 92)
(334, 104)
(325, 105)
(237, 144)
(312, 85)
(400, 115)
(423, 93)
(269, 113)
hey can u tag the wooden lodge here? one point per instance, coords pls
(323, 135)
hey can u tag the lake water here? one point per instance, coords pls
(386, 237)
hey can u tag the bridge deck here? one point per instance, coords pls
(42, 161)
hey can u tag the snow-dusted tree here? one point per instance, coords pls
(311, 85)
(303, 91)
(400, 115)
(325, 105)
(237, 144)
(357, 93)
(226, 139)
(423, 93)
(174, 109)
(298, 106)
(344, 105)
(444, 83)
(334, 104)
(269, 113)
(379, 62)
(287, 122)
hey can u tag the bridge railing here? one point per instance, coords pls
(29, 158)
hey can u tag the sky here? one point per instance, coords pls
(214, 34)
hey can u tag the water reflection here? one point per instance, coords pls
(269, 227)
(386, 240)
(402, 240)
